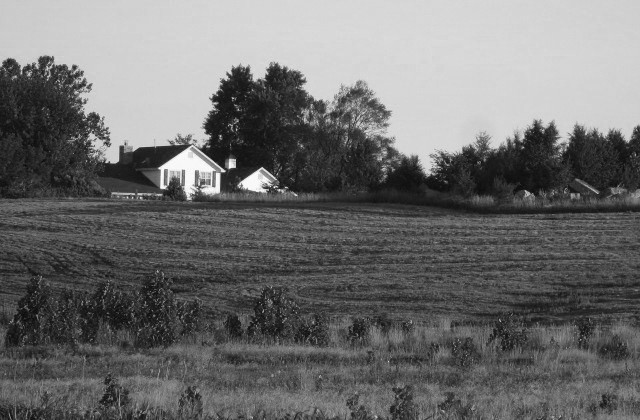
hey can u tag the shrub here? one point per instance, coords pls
(190, 403)
(407, 326)
(585, 327)
(190, 316)
(403, 407)
(509, 331)
(357, 410)
(502, 191)
(175, 191)
(615, 349)
(112, 306)
(383, 322)
(358, 332)
(65, 323)
(453, 408)
(28, 324)
(609, 403)
(275, 314)
(233, 326)
(464, 352)
(314, 331)
(115, 395)
(156, 321)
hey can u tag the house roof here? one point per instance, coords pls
(233, 177)
(583, 187)
(154, 157)
(125, 179)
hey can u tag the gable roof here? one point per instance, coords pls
(233, 177)
(125, 179)
(154, 157)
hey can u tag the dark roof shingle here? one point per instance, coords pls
(154, 157)
(124, 179)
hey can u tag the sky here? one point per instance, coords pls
(446, 69)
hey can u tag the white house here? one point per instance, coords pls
(253, 178)
(148, 170)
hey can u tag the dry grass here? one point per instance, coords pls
(242, 378)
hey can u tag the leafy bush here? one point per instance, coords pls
(502, 191)
(464, 352)
(608, 403)
(65, 323)
(115, 395)
(358, 332)
(314, 331)
(509, 330)
(383, 322)
(190, 403)
(407, 326)
(585, 327)
(615, 349)
(113, 307)
(28, 324)
(453, 408)
(156, 321)
(233, 326)
(275, 314)
(175, 191)
(357, 410)
(403, 407)
(190, 315)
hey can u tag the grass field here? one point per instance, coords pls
(442, 268)
(346, 259)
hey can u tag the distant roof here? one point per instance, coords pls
(154, 157)
(583, 187)
(125, 179)
(230, 179)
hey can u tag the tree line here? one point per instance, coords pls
(536, 160)
(310, 145)
(51, 146)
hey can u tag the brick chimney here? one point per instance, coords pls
(126, 154)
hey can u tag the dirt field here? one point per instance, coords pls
(346, 259)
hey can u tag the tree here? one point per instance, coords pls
(47, 141)
(361, 122)
(592, 158)
(179, 139)
(226, 123)
(541, 158)
(261, 121)
(276, 123)
(631, 171)
(408, 176)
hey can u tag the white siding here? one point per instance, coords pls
(254, 182)
(190, 165)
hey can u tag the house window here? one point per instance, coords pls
(205, 178)
(175, 174)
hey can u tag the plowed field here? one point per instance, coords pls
(343, 258)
